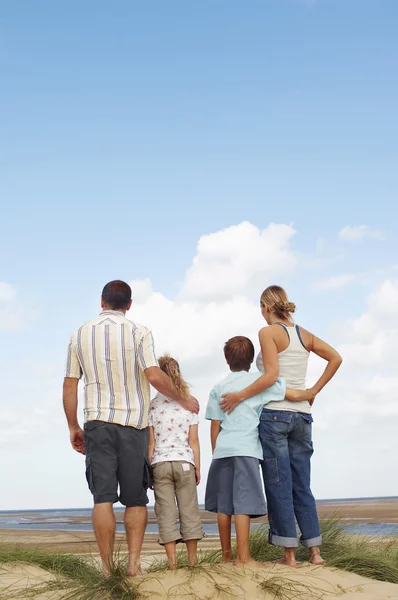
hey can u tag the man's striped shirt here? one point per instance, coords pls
(111, 354)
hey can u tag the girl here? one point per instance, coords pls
(174, 453)
(286, 427)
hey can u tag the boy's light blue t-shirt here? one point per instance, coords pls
(239, 430)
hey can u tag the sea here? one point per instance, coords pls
(68, 520)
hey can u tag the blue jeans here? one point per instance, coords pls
(286, 438)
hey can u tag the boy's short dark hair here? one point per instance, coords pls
(117, 295)
(239, 353)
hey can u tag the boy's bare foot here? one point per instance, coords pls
(288, 562)
(251, 564)
(227, 557)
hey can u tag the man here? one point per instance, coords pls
(117, 360)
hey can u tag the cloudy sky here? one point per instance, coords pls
(200, 151)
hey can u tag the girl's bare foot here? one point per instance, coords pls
(227, 556)
(135, 569)
(288, 562)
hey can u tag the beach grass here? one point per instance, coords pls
(372, 557)
(75, 578)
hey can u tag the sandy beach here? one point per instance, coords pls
(225, 582)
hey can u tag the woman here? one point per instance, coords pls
(174, 453)
(286, 427)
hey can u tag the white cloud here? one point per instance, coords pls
(238, 260)
(334, 282)
(7, 292)
(219, 299)
(357, 233)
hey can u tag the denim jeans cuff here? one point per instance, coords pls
(284, 542)
(316, 541)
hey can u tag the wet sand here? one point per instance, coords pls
(358, 512)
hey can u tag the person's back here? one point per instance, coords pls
(239, 429)
(111, 353)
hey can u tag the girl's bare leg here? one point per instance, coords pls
(224, 529)
(171, 555)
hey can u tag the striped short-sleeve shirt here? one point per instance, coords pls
(111, 354)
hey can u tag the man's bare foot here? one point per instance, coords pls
(288, 562)
(227, 557)
(316, 559)
(251, 564)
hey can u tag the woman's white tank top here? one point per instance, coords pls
(293, 363)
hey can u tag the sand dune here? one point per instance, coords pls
(224, 582)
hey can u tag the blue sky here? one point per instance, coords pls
(130, 130)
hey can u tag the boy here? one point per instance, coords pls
(234, 485)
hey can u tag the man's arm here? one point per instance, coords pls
(70, 408)
(163, 384)
(215, 429)
(193, 441)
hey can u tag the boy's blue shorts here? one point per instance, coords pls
(234, 487)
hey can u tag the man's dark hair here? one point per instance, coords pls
(117, 295)
(239, 353)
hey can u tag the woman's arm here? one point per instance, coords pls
(270, 360)
(193, 441)
(215, 429)
(151, 443)
(333, 358)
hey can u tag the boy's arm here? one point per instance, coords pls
(299, 395)
(151, 443)
(215, 429)
(193, 441)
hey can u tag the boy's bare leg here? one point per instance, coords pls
(315, 555)
(243, 559)
(224, 529)
(104, 525)
(171, 552)
(192, 548)
(135, 519)
(289, 559)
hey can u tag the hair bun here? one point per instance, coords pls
(290, 307)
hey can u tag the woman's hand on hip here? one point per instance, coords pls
(230, 401)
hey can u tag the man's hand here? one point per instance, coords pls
(197, 476)
(77, 440)
(192, 405)
(230, 401)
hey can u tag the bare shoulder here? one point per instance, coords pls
(307, 338)
(268, 332)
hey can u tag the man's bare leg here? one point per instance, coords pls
(171, 552)
(289, 559)
(224, 529)
(104, 524)
(243, 558)
(315, 555)
(192, 550)
(135, 520)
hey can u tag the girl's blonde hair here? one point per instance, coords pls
(171, 367)
(276, 300)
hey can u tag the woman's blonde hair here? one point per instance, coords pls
(171, 367)
(276, 300)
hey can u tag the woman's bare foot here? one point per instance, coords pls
(288, 562)
(316, 559)
(227, 557)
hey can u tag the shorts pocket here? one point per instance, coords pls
(147, 479)
(89, 475)
(270, 470)
(281, 416)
